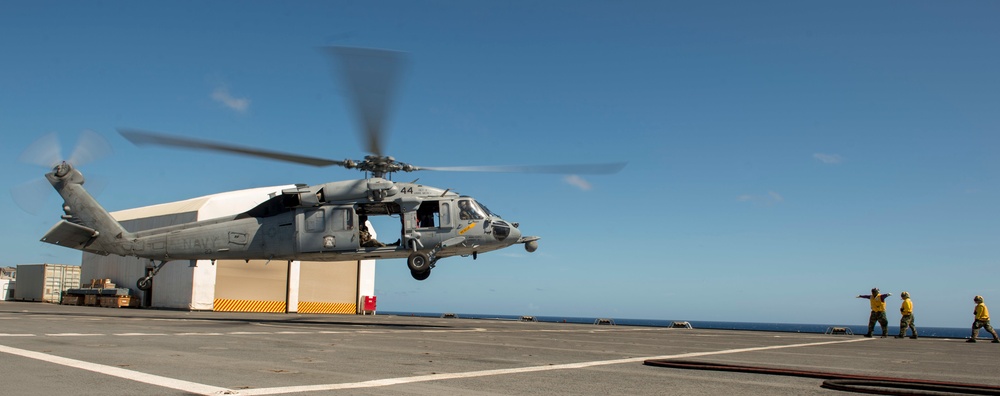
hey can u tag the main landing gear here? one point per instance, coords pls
(420, 265)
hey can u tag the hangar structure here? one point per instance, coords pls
(232, 285)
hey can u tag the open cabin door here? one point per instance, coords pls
(326, 228)
(434, 221)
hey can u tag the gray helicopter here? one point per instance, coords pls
(323, 222)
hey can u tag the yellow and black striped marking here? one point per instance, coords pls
(227, 305)
(311, 307)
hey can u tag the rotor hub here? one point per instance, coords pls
(380, 165)
(62, 169)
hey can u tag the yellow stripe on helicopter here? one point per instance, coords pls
(469, 227)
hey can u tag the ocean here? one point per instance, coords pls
(935, 332)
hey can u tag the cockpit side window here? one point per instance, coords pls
(468, 210)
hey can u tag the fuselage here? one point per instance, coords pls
(326, 222)
(334, 230)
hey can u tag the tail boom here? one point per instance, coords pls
(86, 225)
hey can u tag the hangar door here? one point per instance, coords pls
(261, 286)
(255, 286)
(328, 287)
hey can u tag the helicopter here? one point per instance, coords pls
(322, 222)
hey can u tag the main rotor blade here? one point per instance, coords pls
(139, 138)
(370, 76)
(580, 169)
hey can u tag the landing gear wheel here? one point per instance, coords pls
(145, 283)
(420, 275)
(419, 262)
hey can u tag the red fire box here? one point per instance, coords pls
(368, 305)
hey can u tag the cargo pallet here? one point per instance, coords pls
(102, 293)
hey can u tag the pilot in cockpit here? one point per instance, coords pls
(467, 211)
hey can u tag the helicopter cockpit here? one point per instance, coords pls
(470, 210)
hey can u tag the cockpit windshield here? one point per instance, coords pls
(487, 210)
(470, 210)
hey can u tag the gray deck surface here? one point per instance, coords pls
(52, 349)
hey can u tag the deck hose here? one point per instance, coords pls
(845, 382)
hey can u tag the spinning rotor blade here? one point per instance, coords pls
(45, 151)
(581, 169)
(90, 147)
(32, 196)
(370, 76)
(140, 138)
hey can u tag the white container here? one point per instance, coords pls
(6, 289)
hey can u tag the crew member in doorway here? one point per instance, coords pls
(982, 320)
(877, 302)
(907, 319)
(366, 236)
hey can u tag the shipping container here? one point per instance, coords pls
(46, 282)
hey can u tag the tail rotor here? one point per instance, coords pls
(46, 152)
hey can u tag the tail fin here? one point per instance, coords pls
(86, 225)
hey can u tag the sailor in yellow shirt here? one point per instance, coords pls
(877, 302)
(982, 320)
(907, 319)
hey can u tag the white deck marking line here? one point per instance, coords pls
(532, 369)
(75, 335)
(151, 379)
(138, 334)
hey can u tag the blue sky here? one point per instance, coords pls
(783, 157)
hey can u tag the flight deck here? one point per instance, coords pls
(54, 349)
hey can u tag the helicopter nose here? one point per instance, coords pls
(515, 233)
